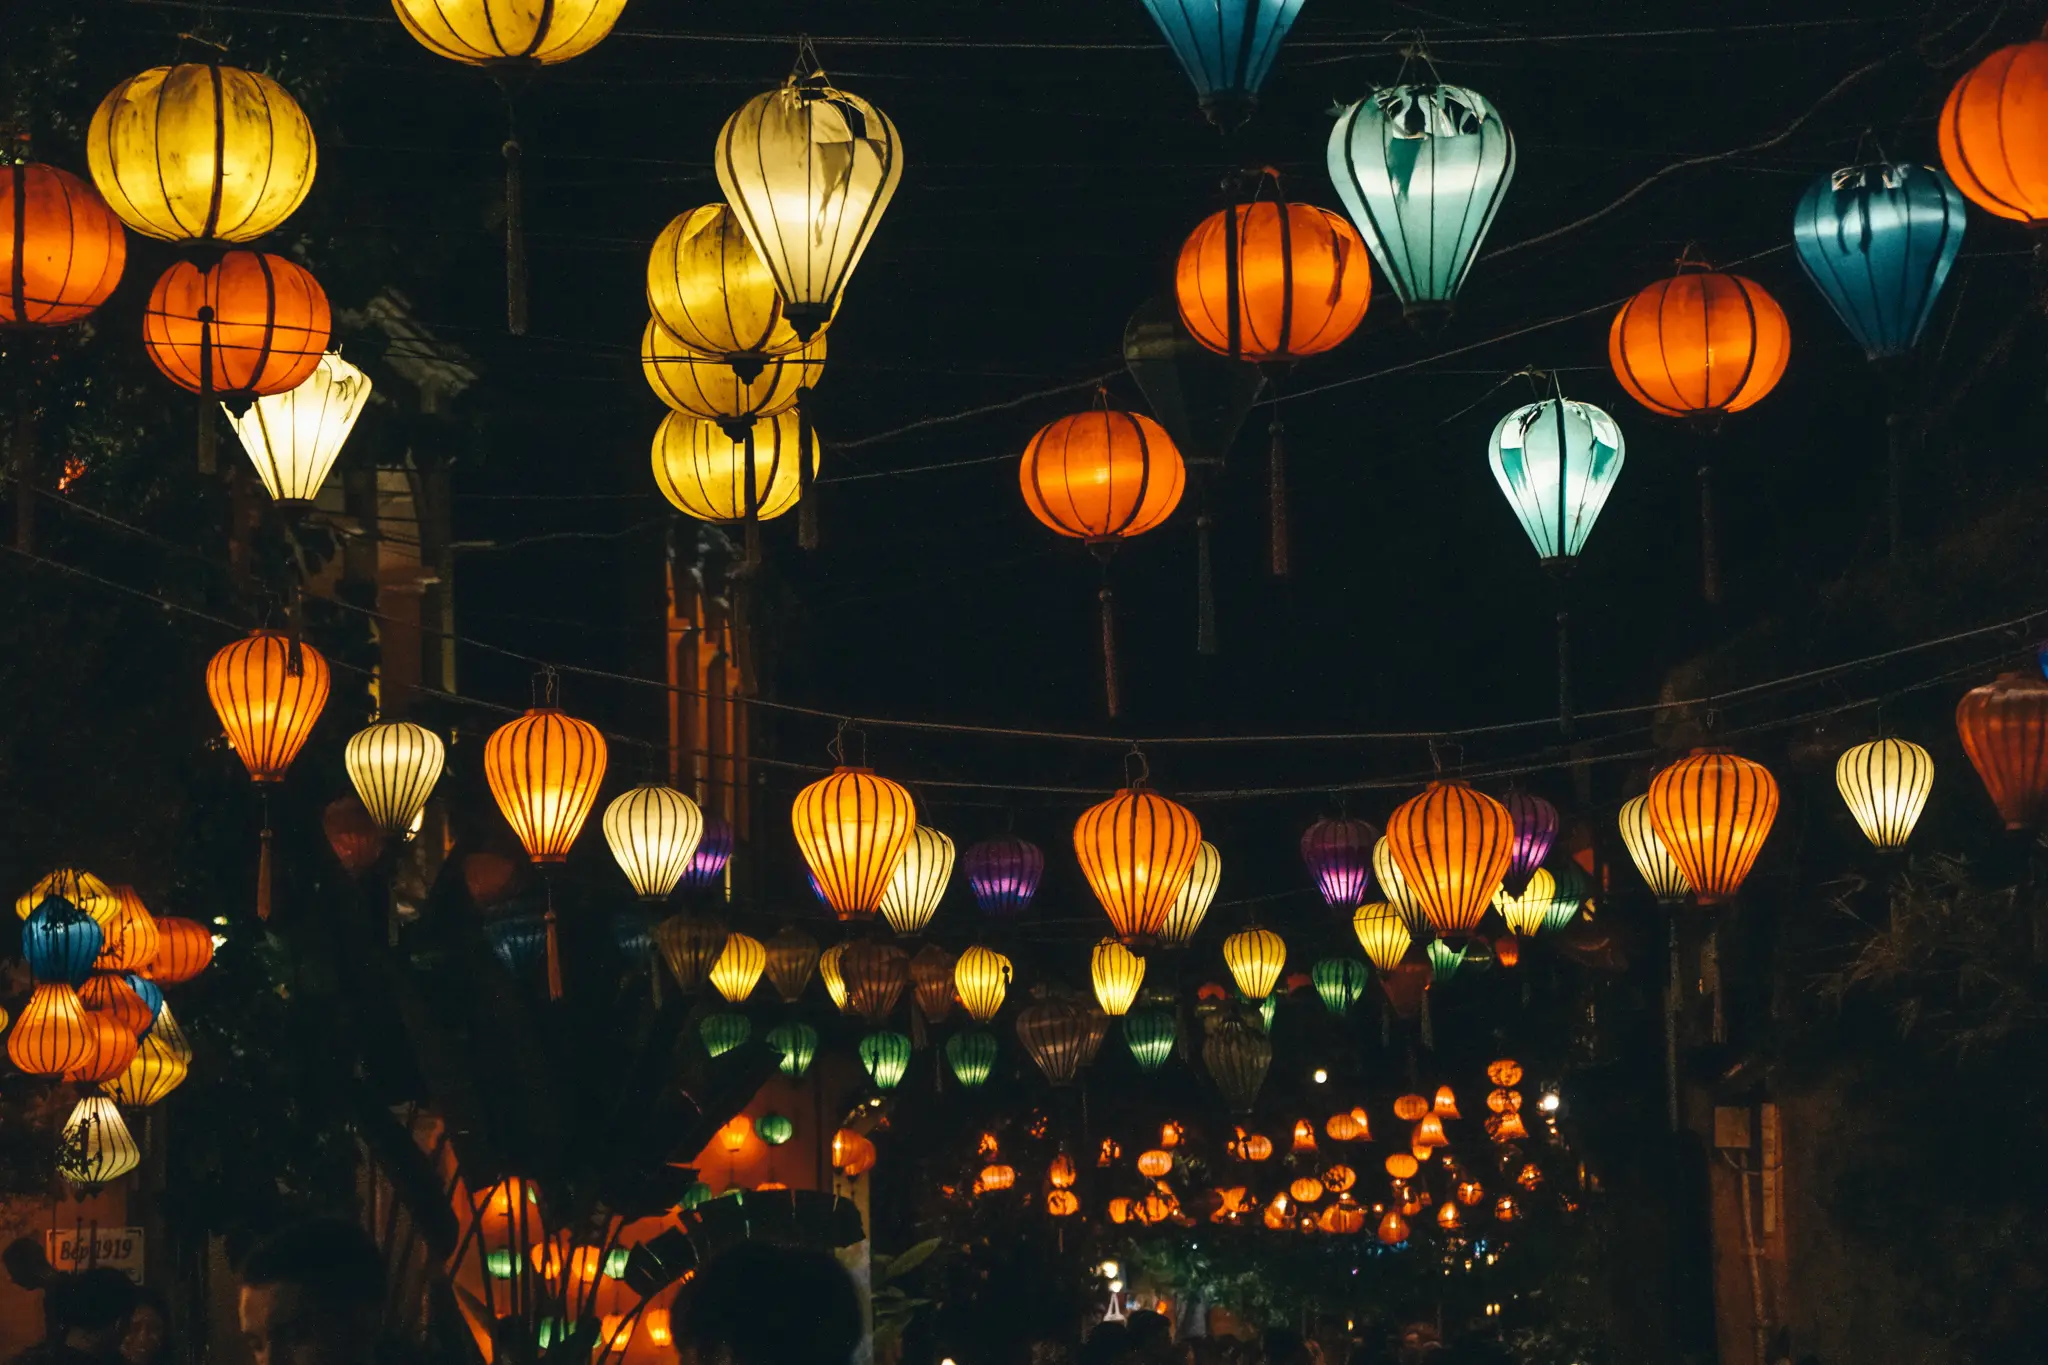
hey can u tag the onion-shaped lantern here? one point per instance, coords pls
(1383, 933)
(544, 770)
(61, 248)
(1885, 785)
(798, 1044)
(875, 975)
(653, 832)
(1255, 957)
(701, 468)
(707, 387)
(1237, 1053)
(1272, 282)
(774, 1129)
(690, 944)
(1055, 1033)
(1556, 461)
(1004, 873)
(714, 851)
(724, 1032)
(852, 827)
(1700, 344)
(709, 291)
(828, 972)
(1453, 846)
(739, 966)
(2004, 729)
(1990, 137)
(1117, 973)
(1398, 893)
(294, 437)
(1713, 810)
(393, 765)
(156, 1071)
(792, 957)
(885, 1056)
(1878, 241)
(74, 884)
(808, 170)
(131, 935)
(184, 947)
(918, 883)
(201, 152)
(1422, 170)
(173, 1036)
(1339, 981)
(931, 982)
(267, 691)
(1137, 850)
(1149, 1034)
(110, 1050)
(508, 33)
(1535, 823)
(1666, 878)
(59, 942)
(971, 1056)
(252, 324)
(96, 1148)
(1338, 853)
(1526, 913)
(1196, 894)
(1226, 47)
(52, 1035)
(982, 977)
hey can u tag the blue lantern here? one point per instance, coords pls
(518, 941)
(152, 995)
(60, 941)
(1421, 170)
(1878, 241)
(1226, 47)
(714, 851)
(1557, 500)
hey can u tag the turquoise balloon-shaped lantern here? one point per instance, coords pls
(1422, 170)
(1226, 47)
(1557, 461)
(1878, 240)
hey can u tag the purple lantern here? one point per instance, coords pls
(1339, 856)
(714, 851)
(1004, 873)
(1535, 822)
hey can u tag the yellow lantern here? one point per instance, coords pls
(85, 892)
(1137, 850)
(828, 972)
(293, 438)
(1061, 1174)
(201, 152)
(1196, 894)
(1388, 873)
(1255, 957)
(739, 966)
(1714, 810)
(1383, 932)
(156, 1071)
(706, 386)
(510, 33)
(1885, 784)
(544, 770)
(851, 828)
(1527, 913)
(982, 978)
(808, 171)
(132, 939)
(1654, 861)
(1453, 846)
(1155, 1164)
(702, 470)
(393, 766)
(96, 1148)
(918, 883)
(653, 832)
(1062, 1203)
(709, 290)
(1445, 1105)
(1118, 973)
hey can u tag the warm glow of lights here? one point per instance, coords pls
(653, 832)
(1117, 973)
(1452, 845)
(851, 828)
(294, 437)
(918, 882)
(1713, 811)
(982, 978)
(544, 770)
(1885, 785)
(739, 966)
(1137, 851)
(1255, 958)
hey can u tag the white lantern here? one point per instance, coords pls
(97, 1148)
(919, 881)
(1885, 785)
(1192, 904)
(654, 832)
(394, 765)
(293, 438)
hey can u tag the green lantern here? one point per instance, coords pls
(698, 1193)
(1557, 461)
(1149, 1034)
(798, 1044)
(1444, 960)
(1574, 891)
(774, 1129)
(1339, 981)
(724, 1032)
(886, 1055)
(1268, 1007)
(498, 1264)
(972, 1057)
(615, 1263)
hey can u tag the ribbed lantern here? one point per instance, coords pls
(724, 1032)
(1004, 873)
(982, 978)
(508, 33)
(393, 765)
(1878, 241)
(184, 947)
(739, 966)
(1196, 895)
(851, 828)
(1237, 1053)
(267, 692)
(252, 324)
(714, 852)
(1255, 957)
(653, 832)
(701, 468)
(1102, 476)
(931, 982)
(544, 770)
(1395, 887)
(1885, 785)
(110, 1050)
(156, 1071)
(173, 1036)
(2004, 729)
(1149, 1034)
(1383, 933)
(1271, 281)
(1571, 892)
(51, 1035)
(59, 942)
(114, 995)
(885, 1056)
(293, 438)
(76, 885)
(1662, 872)
(1556, 461)
(828, 972)
(792, 957)
(1137, 850)
(1055, 1033)
(875, 975)
(1117, 973)
(1535, 823)
(709, 291)
(1526, 913)
(918, 883)
(690, 944)
(1226, 47)
(798, 1044)
(1444, 960)
(1700, 344)
(808, 170)
(1713, 810)
(1422, 170)
(706, 386)
(61, 249)
(96, 1147)
(971, 1057)
(1453, 846)
(1338, 853)
(1990, 133)
(1339, 981)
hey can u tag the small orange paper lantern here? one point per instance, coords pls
(1448, 1218)
(1253, 1147)
(544, 770)
(61, 248)
(1136, 850)
(1470, 1192)
(1713, 811)
(1410, 1108)
(852, 1153)
(267, 693)
(53, 1034)
(1273, 281)
(1402, 1166)
(1446, 1103)
(1393, 1228)
(2004, 729)
(1304, 1136)
(1700, 344)
(1306, 1189)
(1507, 950)
(851, 828)
(997, 1177)
(1452, 845)
(254, 324)
(1120, 1210)
(1504, 1071)
(1102, 476)
(1990, 133)
(1061, 1175)
(1062, 1203)
(1344, 1128)
(184, 948)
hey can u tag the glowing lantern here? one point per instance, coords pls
(798, 1044)
(544, 770)
(253, 324)
(1449, 1218)
(59, 942)
(1272, 281)
(875, 974)
(1155, 1163)
(1422, 170)
(183, 949)
(1445, 1105)
(886, 1056)
(1062, 1203)
(1061, 1174)
(1885, 784)
(2004, 729)
(931, 982)
(267, 692)
(1429, 1132)
(1411, 1108)
(1503, 1100)
(1699, 344)
(852, 1153)
(714, 854)
(1055, 1033)
(918, 882)
(711, 389)
(1713, 811)
(1306, 1189)
(61, 249)
(808, 171)
(1196, 895)
(1507, 1127)
(1304, 1138)
(701, 468)
(1338, 1179)
(792, 957)
(1237, 1053)
(1137, 850)
(393, 765)
(1878, 241)
(1556, 461)
(1255, 957)
(1119, 1209)
(1393, 1229)
(157, 1070)
(1253, 1147)
(1530, 1177)
(653, 832)
(1226, 47)
(1666, 878)
(739, 966)
(1535, 823)
(74, 884)
(505, 33)
(1989, 135)
(96, 1148)
(1399, 894)
(690, 944)
(1470, 1192)
(710, 292)
(294, 437)
(1505, 1209)
(1276, 1214)
(1149, 1034)
(1453, 846)
(1383, 933)
(1117, 973)
(115, 996)
(1444, 960)
(851, 828)
(1507, 950)
(828, 972)
(52, 1035)
(1525, 914)
(1339, 981)
(110, 1050)
(982, 978)
(724, 1032)
(1402, 1166)
(1004, 873)
(971, 1057)
(1338, 853)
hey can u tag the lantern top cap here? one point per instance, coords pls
(853, 769)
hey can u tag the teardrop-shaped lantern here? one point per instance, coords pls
(1661, 871)
(1004, 873)
(1527, 912)
(851, 828)
(738, 969)
(1444, 960)
(809, 170)
(156, 1071)
(1395, 887)
(885, 1056)
(918, 883)
(1117, 973)
(1713, 810)
(544, 770)
(982, 978)
(1535, 823)
(393, 766)
(293, 438)
(1196, 895)
(1272, 281)
(1137, 850)
(1453, 846)
(51, 1035)
(267, 691)
(1878, 241)
(1885, 785)
(1990, 133)
(61, 248)
(724, 1032)
(875, 975)
(1700, 344)
(1339, 981)
(653, 832)
(1556, 461)
(690, 944)
(1226, 47)
(110, 1050)
(1571, 892)
(1338, 853)
(971, 1056)
(1055, 1033)
(1149, 1035)
(798, 1044)
(931, 982)
(1255, 957)
(792, 957)
(74, 884)
(131, 935)
(1422, 170)
(96, 1148)
(59, 942)
(1383, 932)
(2004, 729)
(1237, 1053)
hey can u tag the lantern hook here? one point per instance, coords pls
(547, 687)
(1137, 770)
(838, 747)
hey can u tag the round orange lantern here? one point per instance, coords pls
(1254, 1147)
(267, 692)
(1504, 1071)
(2004, 729)
(253, 324)
(1120, 1210)
(1342, 1218)
(997, 1177)
(1273, 281)
(1304, 1136)
(851, 828)
(1410, 1108)
(852, 1153)
(61, 247)
(1470, 1192)
(1306, 1189)
(1452, 845)
(1154, 1163)
(1062, 1203)
(184, 948)
(1713, 810)
(1393, 1228)
(1503, 1100)
(1339, 1179)
(544, 770)
(1136, 850)
(1344, 1128)
(53, 1034)
(1402, 1166)
(1448, 1218)
(1699, 344)
(1990, 133)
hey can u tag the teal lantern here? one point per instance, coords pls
(698, 1193)
(886, 1055)
(1267, 1007)
(1421, 170)
(1339, 981)
(972, 1056)
(1226, 47)
(1556, 461)
(1878, 241)
(798, 1044)
(1444, 960)
(1149, 1035)
(1574, 890)
(724, 1032)
(774, 1129)
(498, 1264)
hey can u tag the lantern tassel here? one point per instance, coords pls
(1109, 691)
(1428, 1028)
(1564, 673)
(263, 872)
(1710, 555)
(806, 504)
(1276, 493)
(515, 235)
(1205, 589)
(554, 953)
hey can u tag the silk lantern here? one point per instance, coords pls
(110, 1050)
(1700, 344)
(706, 386)
(131, 935)
(1054, 1033)
(184, 948)
(544, 770)
(1137, 850)
(1004, 873)
(798, 1044)
(1191, 906)
(268, 690)
(1226, 47)
(885, 1056)
(971, 1057)
(2004, 729)
(1117, 973)
(1535, 822)
(931, 982)
(690, 944)
(294, 437)
(653, 832)
(792, 957)
(61, 248)
(714, 853)
(59, 942)
(828, 972)
(156, 1071)
(1395, 887)
(250, 325)
(1990, 133)
(918, 883)
(1878, 241)
(96, 1147)
(1556, 462)
(724, 1032)
(1885, 784)
(981, 978)
(1149, 1034)
(1338, 853)
(711, 293)
(1272, 281)
(1339, 981)
(1453, 846)
(1383, 933)
(76, 885)
(1255, 957)
(738, 968)
(1713, 811)
(393, 765)
(1237, 1053)
(851, 828)
(1526, 913)
(50, 1036)
(875, 975)
(702, 470)
(1653, 861)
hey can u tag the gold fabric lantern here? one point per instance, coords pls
(918, 883)
(1653, 861)
(702, 470)
(1453, 846)
(293, 438)
(701, 385)
(157, 1070)
(544, 770)
(1527, 913)
(1196, 895)
(516, 33)
(1713, 810)
(131, 935)
(982, 979)
(52, 1036)
(1383, 933)
(1137, 851)
(1399, 895)
(96, 1148)
(84, 890)
(690, 944)
(808, 171)
(1885, 785)
(828, 972)
(1117, 973)
(393, 765)
(709, 290)
(201, 152)
(851, 828)
(875, 975)
(653, 832)
(267, 691)
(1255, 957)
(739, 967)
(792, 957)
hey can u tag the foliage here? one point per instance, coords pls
(894, 1306)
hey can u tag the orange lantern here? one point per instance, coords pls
(1339, 1179)
(1119, 1210)
(1507, 951)
(851, 828)
(1530, 1176)
(1410, 1108)
(997, 1177)
(1470, 1192)
(1344, 1128)
(1505, 1209)
(253, 324)
(1713, 811)
(1273, 281)
(1505, 1071)
(131, 935)
(184, 948)
(1700, 344)
(61, 248)
(545, 769)
(2004, 729)
(1154, 1163)
(1137, 850)
(1393, 1228)
(509, 1211)
(1110, 1150)
(109, 1047)
(1452, 845)
(1253, 1147)
(1446, 1103)
(852, 1153)
(1171, 1134)
(1342, 1218)
(931, 982)
(1430, 1132)
(1062, 1203)
(1306, 1189)
(1061, 1175)
(53, 1034)
(1503, 1100)
(1507, 1127)
(1276, 1214)
(1304, 1136)
(109, 994)
(1990, 133)
(267, 692)
(1448, 1218)
(1402, 1166)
